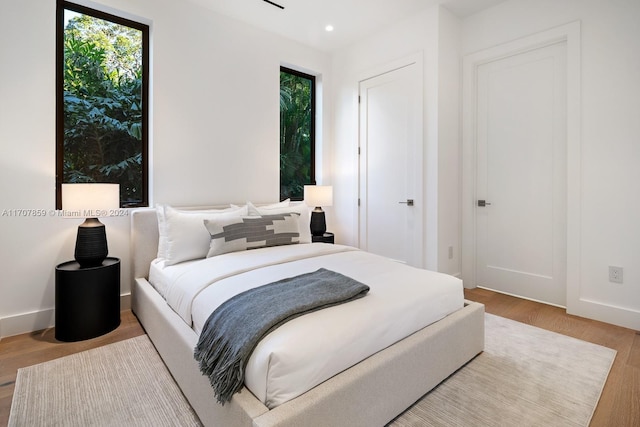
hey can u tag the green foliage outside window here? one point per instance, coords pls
(296, 133)
(103, 116)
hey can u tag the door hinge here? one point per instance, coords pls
(358, 151)
(358, 99)
(358, 201)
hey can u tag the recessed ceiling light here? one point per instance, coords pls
(329, 28)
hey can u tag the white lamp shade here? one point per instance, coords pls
(95, 200)
(318, 195)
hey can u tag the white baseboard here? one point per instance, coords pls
(38, 320)
(620, 316)
(26, 322)
(593, 310)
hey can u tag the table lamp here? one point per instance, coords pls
(318, 196)
(90, 201)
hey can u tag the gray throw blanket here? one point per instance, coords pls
(234, 329)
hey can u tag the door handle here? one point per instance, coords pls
(409, 202)
(483, 203)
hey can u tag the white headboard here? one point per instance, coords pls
(144, 240)
(144, 236)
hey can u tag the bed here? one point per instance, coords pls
(370, 392)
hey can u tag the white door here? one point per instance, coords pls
(521, 174)
(390, 182)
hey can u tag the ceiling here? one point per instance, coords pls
(305, 20)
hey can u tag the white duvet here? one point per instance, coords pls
(312, 348)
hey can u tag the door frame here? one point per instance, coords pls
(569, 33)
(415, 59)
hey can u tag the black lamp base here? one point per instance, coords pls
(318, 222)
(91, 243)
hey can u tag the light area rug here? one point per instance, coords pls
(121, 384)
(525, 377)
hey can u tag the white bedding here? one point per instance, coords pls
(310, 349)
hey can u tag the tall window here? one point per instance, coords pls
(297, 133)
(102, 102)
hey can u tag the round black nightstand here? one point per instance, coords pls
(325, 238)
(87, 300)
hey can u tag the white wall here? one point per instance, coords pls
(609, 229)
(449, 93)
(215, 106)
(213, 75)
(433, 33)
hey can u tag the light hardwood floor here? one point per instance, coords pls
(619, 405)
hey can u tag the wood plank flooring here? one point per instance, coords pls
(619, 405)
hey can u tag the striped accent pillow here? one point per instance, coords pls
(250, 232)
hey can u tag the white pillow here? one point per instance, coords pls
(251, 232)
(162, 224)
(253, 210)
(183, 235)
(300, 208)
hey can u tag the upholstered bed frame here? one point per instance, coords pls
(371, 393)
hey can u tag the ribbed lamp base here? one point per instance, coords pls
(318, 223)
(91, 243)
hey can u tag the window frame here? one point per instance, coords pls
(312, 140)
(61, 6)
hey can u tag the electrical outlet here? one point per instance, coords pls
(615, 274)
